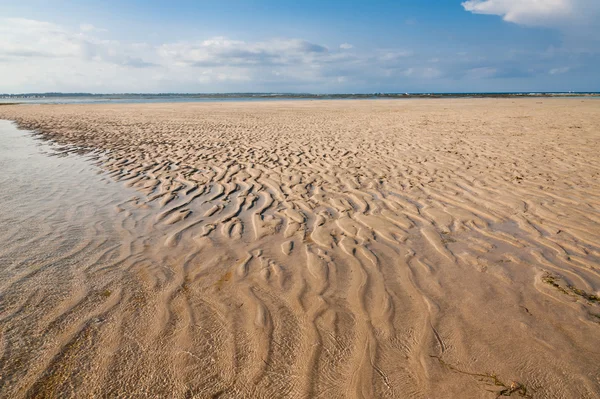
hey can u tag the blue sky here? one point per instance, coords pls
(300, 46)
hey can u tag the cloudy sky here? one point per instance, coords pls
(302, 46)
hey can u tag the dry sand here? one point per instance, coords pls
(358, 249)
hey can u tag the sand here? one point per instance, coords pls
(305, 249)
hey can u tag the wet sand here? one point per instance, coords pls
(359, 249)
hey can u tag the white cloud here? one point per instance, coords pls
(26, 38)
(37, 56)
(547, 13)
(221, 51)
(23, 39)
(42, 56)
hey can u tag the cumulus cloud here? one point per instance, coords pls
(29, 38)
(42, 56)
(37, 56)
(565, 14)
(24, 38)
(221, 51)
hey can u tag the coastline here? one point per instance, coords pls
(90, 98)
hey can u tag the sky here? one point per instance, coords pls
(310, 46)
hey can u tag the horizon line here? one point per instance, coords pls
(376, 93)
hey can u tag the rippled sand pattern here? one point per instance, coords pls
(359, 249)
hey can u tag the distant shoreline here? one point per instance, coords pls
(300, 95)
(41, 98)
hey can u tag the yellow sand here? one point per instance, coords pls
(304, 249)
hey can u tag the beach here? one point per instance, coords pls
(422, 248)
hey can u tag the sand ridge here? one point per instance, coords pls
(421, 248)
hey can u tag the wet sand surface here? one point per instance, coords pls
(356, 249)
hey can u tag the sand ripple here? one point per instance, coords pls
(308, 249)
